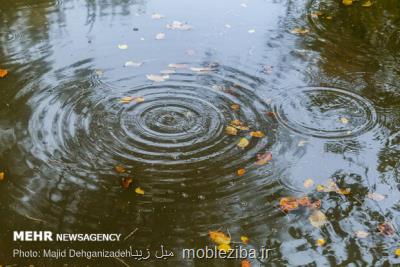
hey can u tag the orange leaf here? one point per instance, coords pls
(235, 107)
(126, 182)
(240, 172)
(263, 159)
(257, 134)
(219, 237)
(287, 204)
(120, 169)
(304, 201)
(245, 263)
(244, 239)
(2, 176)
(3, 73)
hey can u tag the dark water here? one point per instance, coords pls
(328, 102)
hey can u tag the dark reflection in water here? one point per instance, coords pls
(327, 102)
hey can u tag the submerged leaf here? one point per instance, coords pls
(397, 252)
(139, 191)
(243, 142)
(126, 182)
(347, 2)
(219, 237)
(317, 218)
(287, 204)
(2, 176)
(367, 4)
(263, 159)
(3, 73)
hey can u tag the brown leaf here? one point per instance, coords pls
(263, 159)
(126, 182)
(287, 204)
(386, 228)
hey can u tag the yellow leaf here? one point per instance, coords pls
(317, 218)
(361, 234)
(2, 176)
(126, 99)
(235, 107)
(321, 242)
(224, 247)
(308, 183)
(347, 2)
(397, 252)
(343, 191)
(367, 4)
(244, 239)
(120, 169)
(139, 99)
(3, 73)
(257, 134)
(344, 120)
(320, 188)
(219, 237)
(243, 143)
(299, 31)
(230, 130)
(329, 17)
(139, 191)
(240, 172)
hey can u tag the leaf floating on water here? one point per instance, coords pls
(333, 187)
(299, 31)
(138, 99)
(120, 168)
(397, 252)
(376, 196)
(160, 36)
(2, 176)
(157, 78)
(139, 191)
(224, 247)
(131, 63)
(177, 25)
(367, 4)
(123, 46)
(258, 134)
(308, 183)
(243, 143)
(317, 218)
(126, 99)
(219, 237)
(241, 172)
(245, 239)
(263, 159)
(386, 228)
(347, 2)
(235, 107)
(3, 73)
(201, 69)
(157, 16)
(239, 125)
(344, 120)
(126, 182)
(361, 234)
(251, 31)
(230, 130)
(177, 66)
(321, 242)
(287, 204)
(245, 263)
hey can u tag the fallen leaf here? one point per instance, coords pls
(138, 99)
(343, 191)
(2, 176)
(200, 69)
(271, 114)
(139, 191)
(287, 204)
(258, 134)
(99, 72)
(160, 36)
(308, 183)
(3, 73)
(263, 159)
(361, 234)
(245, 239)
(304, 201)
(316, 14)
(240, 172)
(317, 218)
(123, 46)
(224, 247)
(397, 252)
(235, 107)
(376, 196)
(219, 237)
(131, 63)
(120, 168)
(386, 228)
(329, 17)
(177, 66)
(167, 71)
(157, 78)
(347, 2)
(251, 31)
(126, 99)
(344, 120)
(245, 263)
(230, 130)
(239, 125)
(321, 242)
(320, 188)
(243, 142)
(177, 25)
(157, 16)
(367, 4)
(299, 31)
(126, 182)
